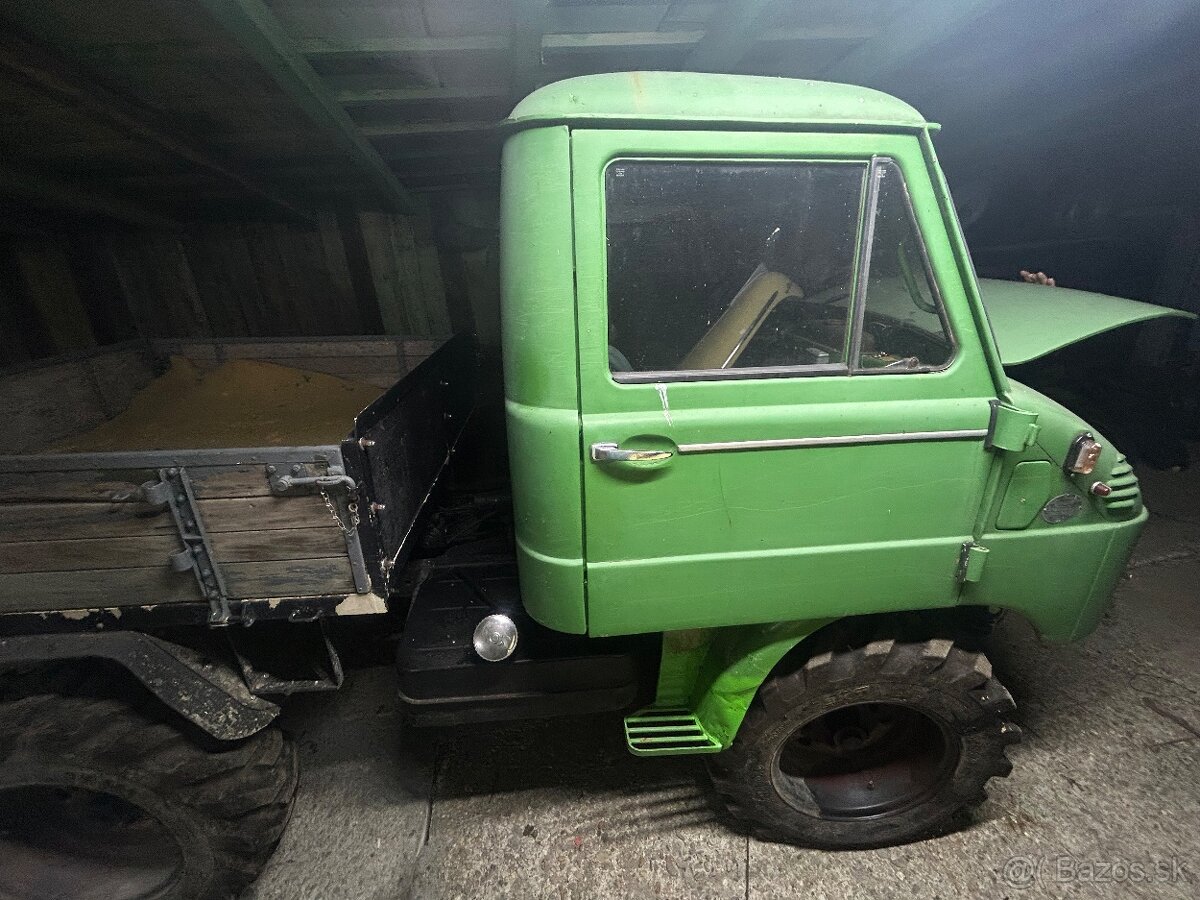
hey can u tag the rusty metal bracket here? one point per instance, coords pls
(196, 554)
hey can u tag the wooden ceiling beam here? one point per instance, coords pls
(731, 32)
(417, 94)
(403, 129)
(906, 38)
(525, 50)
(611, 41)
(403, 45)
(54, 77)
(261, 34)
(47, 192)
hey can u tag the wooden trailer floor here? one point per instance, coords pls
(242, 403)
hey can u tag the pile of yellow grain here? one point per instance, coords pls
(241, 403)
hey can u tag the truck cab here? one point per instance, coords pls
(750, 376)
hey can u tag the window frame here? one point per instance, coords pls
(863, 276)
(670, 376)
(868, 210)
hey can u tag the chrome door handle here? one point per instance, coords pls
(609, 452)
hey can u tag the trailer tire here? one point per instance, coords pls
(98, 799)
(870, 747)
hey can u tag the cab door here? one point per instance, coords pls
(783, 402)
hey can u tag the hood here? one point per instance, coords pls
(1031, 320)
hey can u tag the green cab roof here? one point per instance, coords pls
(1031, 321)
(738, 101)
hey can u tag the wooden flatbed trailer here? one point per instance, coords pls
(238, 534)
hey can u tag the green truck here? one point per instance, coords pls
(757, 479)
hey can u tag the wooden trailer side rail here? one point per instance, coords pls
(87, 530)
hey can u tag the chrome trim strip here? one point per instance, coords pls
(903, 437)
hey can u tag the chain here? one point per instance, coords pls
(352, 508)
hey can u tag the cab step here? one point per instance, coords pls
(667, 732)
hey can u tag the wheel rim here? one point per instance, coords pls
(864, 761)
(71, 842)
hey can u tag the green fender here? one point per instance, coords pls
(715, 672)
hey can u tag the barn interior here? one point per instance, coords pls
(314, 184)
(216, 176)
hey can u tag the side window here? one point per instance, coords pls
(903, 323)
(722, 266)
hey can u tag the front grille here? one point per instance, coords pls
(1126, 496)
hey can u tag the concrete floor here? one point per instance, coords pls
(1104, 799)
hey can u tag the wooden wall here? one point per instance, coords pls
(350, 273)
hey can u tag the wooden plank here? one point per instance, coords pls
(355, 97)
(408, 129)
(225, 279)
(288, 347)
(22, 332)
(359, 269)
(82, 521)
(224, 482)
(100, 289)
(343, 292)
(122, 485)
(46, 404)
(343, 366)
(265, 546)
(116, 486)
(401, 45)
(264, 514)
(380, 381)
(49, 284)
(150, 551)
(256, 27)
(158, 285)
(36, 591)
(289, 578)
(408, 280)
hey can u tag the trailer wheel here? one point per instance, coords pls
(98, 800)
(870, 747)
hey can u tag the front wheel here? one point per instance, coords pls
(869, 747)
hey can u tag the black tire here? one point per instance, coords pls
(98, 800)
(870, 747)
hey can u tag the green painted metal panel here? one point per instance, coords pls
(540, 383)
(1012, 428)
(781, 534)
(708, 678)
(702, 100)
(740, 660)
(1031, 320)
(1028, 490)
(1059, 577)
